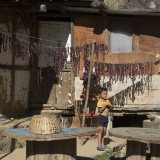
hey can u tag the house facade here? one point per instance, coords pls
(29, 83)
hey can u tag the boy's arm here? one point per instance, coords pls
(108, 104)
(101, 109)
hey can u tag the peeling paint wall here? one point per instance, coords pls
(148, 97)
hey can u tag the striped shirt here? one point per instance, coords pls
(103, 103)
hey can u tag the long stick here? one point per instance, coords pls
(88, 87)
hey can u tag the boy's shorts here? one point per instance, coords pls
(102, 121)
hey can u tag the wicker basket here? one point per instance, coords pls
(45, 124)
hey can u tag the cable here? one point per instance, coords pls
(43, 39)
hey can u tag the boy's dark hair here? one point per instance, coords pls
(102, 89)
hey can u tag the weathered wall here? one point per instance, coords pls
(14, 81)
(5, 91)
(88, 28)
(149, 36)
(53, 89)
(22, 87)
(145, 44)
(22, 77)
(5, 77)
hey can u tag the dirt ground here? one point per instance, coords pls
(85, 152)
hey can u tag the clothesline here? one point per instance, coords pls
(43, 39)
(58, 55)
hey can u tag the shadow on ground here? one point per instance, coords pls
(107, 141)
(84, 158)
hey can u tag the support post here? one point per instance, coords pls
(110, 123)
(13, 69)
(88, 87)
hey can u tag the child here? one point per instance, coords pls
(103, 106)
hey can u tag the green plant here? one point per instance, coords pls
(111, 154)
(20, 144)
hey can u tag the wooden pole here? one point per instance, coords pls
(13, 70)
(88, 87)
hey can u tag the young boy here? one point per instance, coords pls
(103, 106)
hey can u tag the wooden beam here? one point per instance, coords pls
(34, 62)
(64, 11)
(53, 106)
(15, 67)
(102, 12)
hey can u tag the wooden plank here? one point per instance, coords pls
(52, 105)
(130, 108)
(64, 89)
(118, 114)
(155, 152)
(136, 150)
(144, 113)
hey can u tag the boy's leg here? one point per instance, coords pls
(104, 133)
(100, 134)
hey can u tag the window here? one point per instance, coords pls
(121, 36)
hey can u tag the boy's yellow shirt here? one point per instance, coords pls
(103, 103)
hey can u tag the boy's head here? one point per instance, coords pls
(103, 93)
